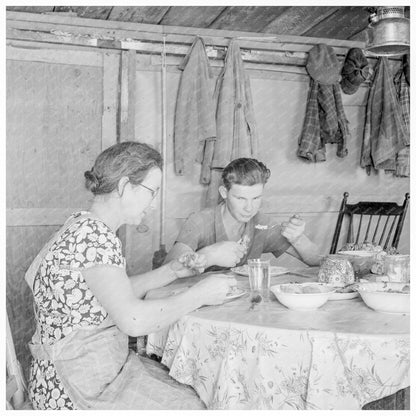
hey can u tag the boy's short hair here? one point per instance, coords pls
(245, 171)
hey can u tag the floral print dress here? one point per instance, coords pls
(63, 300)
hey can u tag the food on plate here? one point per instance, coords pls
(244, 242)
(190, 260)
(346, 289)
(233, 291)
(366, 246)
(294, 288)
(301, 289)
(310, 289)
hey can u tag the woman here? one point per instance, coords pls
(86, 306)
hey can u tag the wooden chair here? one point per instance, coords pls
(378, 222)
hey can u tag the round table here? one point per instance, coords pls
(341, 356)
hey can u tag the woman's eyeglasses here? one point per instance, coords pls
(153, 191)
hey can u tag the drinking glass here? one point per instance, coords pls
(397, 267)
(259, 278)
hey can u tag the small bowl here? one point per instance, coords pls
(387, 297)
(302, 301)
(361, 260)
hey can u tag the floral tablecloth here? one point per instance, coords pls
(341, 356)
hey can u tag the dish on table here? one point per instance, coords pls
(274, 270)
(361, 260)
(235, 293)
(388, 297)
(302, 296)
(343, 296)
(344, 293)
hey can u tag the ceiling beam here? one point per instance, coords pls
(122, 30)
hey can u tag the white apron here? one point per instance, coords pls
(96, 368)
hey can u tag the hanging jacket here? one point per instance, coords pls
(403, 95)
(384, 130)
(195, 110)
(236, 126)
(325, 122)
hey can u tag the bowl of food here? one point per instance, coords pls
(388, 297)
(361, 260)
(344, 293)
(302, 296)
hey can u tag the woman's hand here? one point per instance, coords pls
(293, 229)
(188, 264)
(224, 253)
(213, 289)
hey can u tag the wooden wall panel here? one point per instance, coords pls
(54, 116)
(61, 106)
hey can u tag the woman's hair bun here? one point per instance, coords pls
(91, 181)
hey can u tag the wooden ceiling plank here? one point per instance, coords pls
(298, 20)
(251, 18)
(144, 14)
(192, 16)
(89, 36)
(115, 29)
(30, 9)
(345, 22)
(90, 12)
(361, 36)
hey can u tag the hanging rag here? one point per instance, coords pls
(195, 110)
(403, 95)
(325, 120)
(236, 126)
(384, 130)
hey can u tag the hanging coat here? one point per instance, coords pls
(325, 122)
(403, 94)
(236, 126)
(195, 110)
(384, 130)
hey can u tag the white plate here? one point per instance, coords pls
(343, 296)
(274, 270)
(236, 294)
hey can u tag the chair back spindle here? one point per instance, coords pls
(388, 224)
(359, 229)
(368, 229)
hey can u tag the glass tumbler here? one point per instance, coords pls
(397, 267)
(259, 278)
